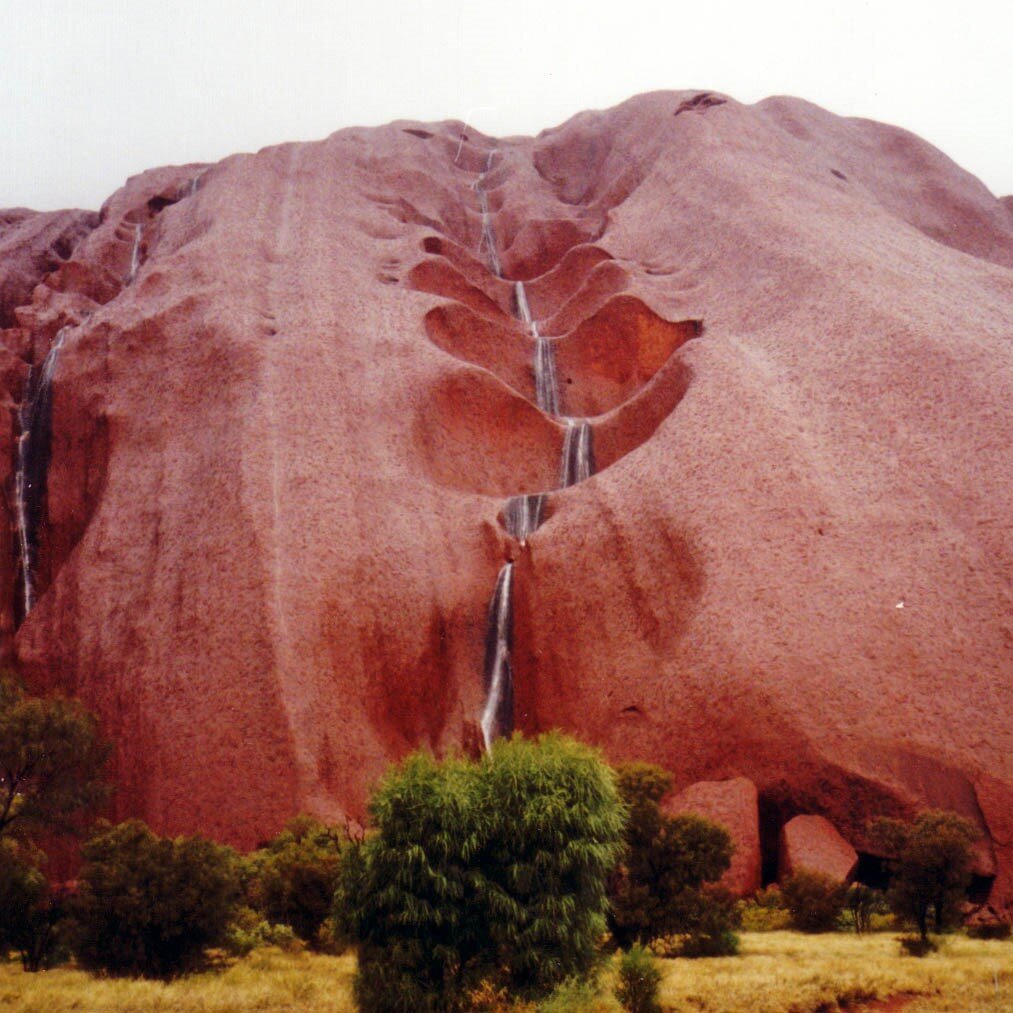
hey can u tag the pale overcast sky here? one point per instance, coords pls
(92, 91)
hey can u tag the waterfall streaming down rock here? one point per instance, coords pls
(521, 298)
(578, 453)
(498, 715)
(135, 253)
(32, 465)
(488, 239)
(523, 514)
(546, 385)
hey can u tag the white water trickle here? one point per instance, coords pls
(34, 404)
(497, 717)
(21, 495)
(487, 241)
(135, 254)
(546, 384)
(578, 456)
(523, 309)
(523, 514)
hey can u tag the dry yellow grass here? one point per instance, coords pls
(781, 971)
(266, 980)
(777, 972)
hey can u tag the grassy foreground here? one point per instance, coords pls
(776, 973)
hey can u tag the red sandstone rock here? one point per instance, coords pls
(272, 523)
(32, 244)
(733, 804)
(812, 842)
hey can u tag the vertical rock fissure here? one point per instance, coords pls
(33, 449)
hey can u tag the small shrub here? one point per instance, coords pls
(577, 996)
(148, 905)
(488, 997)
(638, 979)
(765, 911)
(814, 900)
(863, 903)
(249, 932)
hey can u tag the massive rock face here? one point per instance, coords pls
(292, 397)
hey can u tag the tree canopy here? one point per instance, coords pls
(930, 865)
(482, 871)
(52, 762)
(660, 889)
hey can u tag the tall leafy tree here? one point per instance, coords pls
(660, 888)
(493, 871)
(930, 866)
(30, 909)
(52, 762)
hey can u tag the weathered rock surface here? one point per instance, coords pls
(282, 437)
(812, 842)
(733, 804)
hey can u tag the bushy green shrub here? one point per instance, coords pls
(148, 905)
(292, 879)
(814, 900)
(638, 979)
(658, 892)
(489, 871)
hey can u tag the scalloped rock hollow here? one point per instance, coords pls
(279, 426)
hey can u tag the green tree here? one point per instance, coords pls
(52, 762)
(30, 911)
(293, 878)
(660, 888)
(150, 905)
(815, 900)
(482, 872)
(930, 866)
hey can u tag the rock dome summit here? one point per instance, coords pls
(685, 427)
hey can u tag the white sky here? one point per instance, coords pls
(92, 91)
